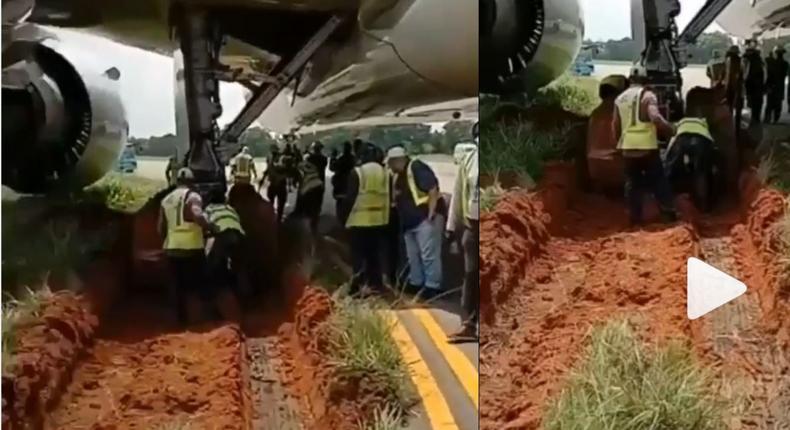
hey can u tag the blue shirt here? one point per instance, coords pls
(410, 214)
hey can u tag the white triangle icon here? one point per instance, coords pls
(708, 288)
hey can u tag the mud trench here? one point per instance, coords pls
(584, 266)
(114, 356)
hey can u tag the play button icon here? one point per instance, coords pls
(708, 288)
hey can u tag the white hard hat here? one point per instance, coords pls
(638, 70)
(396, 152)
(185, 173)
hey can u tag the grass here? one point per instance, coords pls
(489, 197)
(17, 312)
(623, 384)
(386, 418)
(519, 149)
(360, 344)
(573, 94)
(123, 193)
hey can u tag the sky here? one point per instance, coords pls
(147, 78)
(611, 19)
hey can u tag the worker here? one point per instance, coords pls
(421, 210)
(691, 153)
(223, 260)
(358, 145)
(733, 82)
(754, 82)
(317, 157)
(341, 168)
(465, 214)
(604, 161)
(310, 195)
(365, 213)
(716, 69)
(291, 165)
(171, 170)
(242, 167)
(277, 190)
(637, 125)
(775, 85)
(182, 223)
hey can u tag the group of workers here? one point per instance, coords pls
(762, 81)
(381, 199)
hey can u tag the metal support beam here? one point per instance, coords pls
(704, 18)
(267, 92)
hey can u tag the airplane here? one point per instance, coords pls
(341, 60)
(525, 45)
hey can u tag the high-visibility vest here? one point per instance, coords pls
(224, 217)
(694, 126)
(636, 134)
(371, 207)
(243, 166)
(310, 177)
(419, 196)
(468, 190)
(181, 234)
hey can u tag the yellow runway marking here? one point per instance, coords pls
(462, 367)
(436, 407)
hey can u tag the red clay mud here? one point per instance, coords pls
(47, 350)
(593, 268)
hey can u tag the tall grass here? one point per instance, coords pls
(360, 344)
(122, 193)
(622, 384)
(572, 94)
(518, 148)
(17, 312)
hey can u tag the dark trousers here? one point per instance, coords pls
(773, 106)
(365, 257)
(470, 294)
(188, 272)
(308, 205)
(754, 99)
(220, 260)
(278, 195)
(647, 173)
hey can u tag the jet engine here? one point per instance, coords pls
(526, 44)
(64, 125)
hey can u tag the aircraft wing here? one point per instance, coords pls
(750, 18)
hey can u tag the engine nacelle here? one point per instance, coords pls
(526, 44)
(64, 125)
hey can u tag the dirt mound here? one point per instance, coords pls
(46, 352)
(510, 237)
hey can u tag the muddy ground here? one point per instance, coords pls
(558, 261)
(113, 357)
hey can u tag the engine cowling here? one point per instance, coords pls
(64, 124)
(526, 44)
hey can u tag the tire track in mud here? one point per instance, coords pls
(595, 268)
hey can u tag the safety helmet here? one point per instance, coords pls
(185, 174)
(316, 145)
(245, 150)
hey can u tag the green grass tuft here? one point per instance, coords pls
(578, 95)
(386, 418)
(17, 312)
(361, 344)
(624, 385)
(489, 197)
(123, 193)
(519, 149)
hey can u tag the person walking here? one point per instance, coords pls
(365, 214)
(775, 85)
(465, 215)
(733, 82)
(637, 124)
(277, 190)
(716, 69)
(182, 223)
(223, 258)
(242, 167)
(310, 195)
(341, 168)
(171, 171)
(754, 82)
(319, 160)
(421, 210)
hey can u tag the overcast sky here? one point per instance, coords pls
(611, 19)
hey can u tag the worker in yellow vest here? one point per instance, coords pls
(171, 171)
(422, 212)
(182, 222)
(691, 155)
(224, 258)
(637, 124)
(310, 195)
(365, 212)
(465, 215)
(242, 167)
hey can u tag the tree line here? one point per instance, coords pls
(417, 138)
(700, 53)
